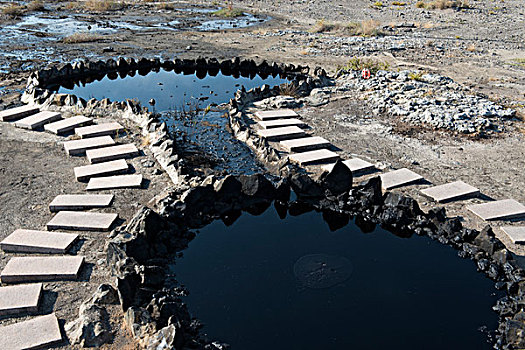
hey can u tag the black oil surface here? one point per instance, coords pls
(397, 293)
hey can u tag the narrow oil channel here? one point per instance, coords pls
(265, 283)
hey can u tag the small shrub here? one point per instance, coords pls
(228, 12)
(472, 48)
(399, 3)
(35, 5)
(418, 76)
(365, 28)
(14, 10)
(378, 4)
(358, 64)
(446, 4)
(321, 26)
(289, 89)
(421, 4)
(81, 38)
(102, 5)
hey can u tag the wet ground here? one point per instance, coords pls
(255, 285)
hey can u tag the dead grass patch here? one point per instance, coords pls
(81, 38)
(444, 4)
(372, 65)
(102, 5)
(364, 28)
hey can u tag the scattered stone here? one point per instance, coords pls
(23, 298)
(278, 134)
(86, 172)
(33, 241)
(113, 182)
(82, 221)
(35, 333)
(515, 233)
(399, 178)
(17, 113)
(356, 165)
(105, 154)
(499, 210)
(78, 147)
(451, 191)
(38, 120)
(91, 328)
(304, 144)
(313, 157)
(279, 123)
(99, 130)
(68, 124)
(80, 201)
(41, 268)
(275, 114)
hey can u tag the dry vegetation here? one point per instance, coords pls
(365, 28)
(102, 5)
(14, 10)
(443, 4)
(81, 38)
(358, 64)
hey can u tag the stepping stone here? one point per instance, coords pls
(276, 114)
(85, 172)
(99, 130)
(304, 144)
(279, 123)
(82, 221)
(79, 147)
(515, 233)
(68, 124)
(35, 333)
(112, 182)
(33, 241)
(105, 154)
(80, 201)
(499, 210)
(38, 120)
(311, 157)
(451, 191)
(41, 268)
(356, 166)
(23, 298)
(278, 134)
(17, 113)
(399, 178)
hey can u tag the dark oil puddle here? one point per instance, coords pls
(267, 283)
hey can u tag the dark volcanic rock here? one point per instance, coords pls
(338, 180)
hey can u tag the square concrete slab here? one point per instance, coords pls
(105, 154)
(113, 182)
(79, 147)
(515, 233)
(356, 166)
(80, 201)
(451, 191)
(41, 268)
(275, 114)
(23, 298)
(499, 210)
(304, 144)
(313, 157)
(399, 178)
(85, 172)
(68, 124)
(38, 120)
(99, 130)
(17, 113)
(35, 333)
(278, 134)
(34, 241)
(83, 221)
(279, 123)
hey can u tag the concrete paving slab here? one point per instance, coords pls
(515, 233)
(275, 114)
(99, 130)
(356, 166)
(35, 241)
(80, 201)
(23, 298)
(279, 123)
(279, 134)
(35, 333)
(399, 178)
(82, 221)
(113, 182)
(313, 157)
(68, 124)
(38, 120)
(41, 268)
(499, 210)
(451, 191)
(105, 154)
(17, 113)
(79, 147)
(304, 144)
(85, 172)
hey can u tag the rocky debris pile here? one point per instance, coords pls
(422, 98)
